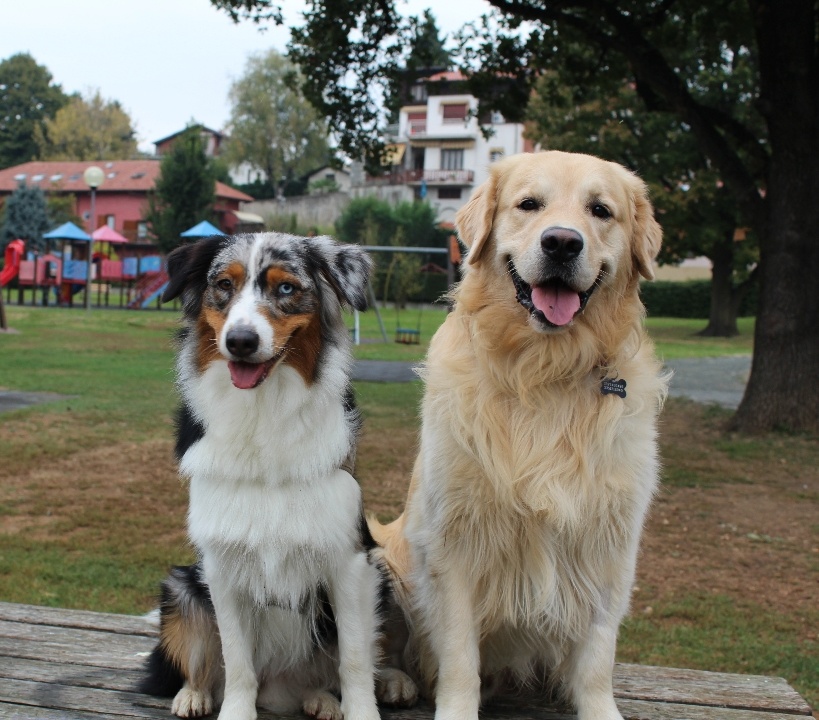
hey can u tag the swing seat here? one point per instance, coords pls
(407, 336)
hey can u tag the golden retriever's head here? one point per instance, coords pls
(560, 228)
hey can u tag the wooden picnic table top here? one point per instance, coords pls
(80, 665)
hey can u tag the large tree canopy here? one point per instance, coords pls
(272, 127)
(27, 98)
(769, 162)
(91, 128)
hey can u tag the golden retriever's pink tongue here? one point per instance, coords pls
(246, 376)
(557, 302)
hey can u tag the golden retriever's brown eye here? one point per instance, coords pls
(225, 284)
(600, 211)
(529, 204)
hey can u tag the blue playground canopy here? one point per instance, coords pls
(203, 229)
(67, 231)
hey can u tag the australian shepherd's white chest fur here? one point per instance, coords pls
(266, 435)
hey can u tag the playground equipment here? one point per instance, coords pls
(13, 257)
(403, 333)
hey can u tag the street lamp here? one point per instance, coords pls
(93, 177)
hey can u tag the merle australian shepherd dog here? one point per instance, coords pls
(282, 608)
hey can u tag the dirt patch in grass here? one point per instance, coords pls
(97, 498)
(735, 517)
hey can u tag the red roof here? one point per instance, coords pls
(446, 75)
(229, 193)
(120, 176)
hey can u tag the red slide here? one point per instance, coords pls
(14, 253)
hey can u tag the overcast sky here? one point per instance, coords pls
(166, 61)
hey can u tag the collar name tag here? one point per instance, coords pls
(613, 387)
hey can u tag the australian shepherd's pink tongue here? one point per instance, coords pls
(556, 301)
(247, 376)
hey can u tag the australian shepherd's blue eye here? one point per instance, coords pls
(285, 289)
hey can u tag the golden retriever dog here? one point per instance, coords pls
(515, 556)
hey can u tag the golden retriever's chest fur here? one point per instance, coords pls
(544, 487)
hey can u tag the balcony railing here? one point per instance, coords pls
(431, 177)
(417, 127)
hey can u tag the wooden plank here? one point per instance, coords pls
(699, 687)
(29, 712)
(115, 651)
(60, 617)
(77, 675)
(642, 710)
(106, 703)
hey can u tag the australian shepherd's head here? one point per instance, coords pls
(255, 301)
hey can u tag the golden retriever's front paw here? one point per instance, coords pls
(322, 705)
(395, 688)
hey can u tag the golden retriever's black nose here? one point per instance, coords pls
(561, 244)
(242, 341)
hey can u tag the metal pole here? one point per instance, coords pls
(90, 249)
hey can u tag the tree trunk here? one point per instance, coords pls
(783, 390)
(722, 319)
(3, 323)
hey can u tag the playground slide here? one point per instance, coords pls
(148, 289)
(14, 253)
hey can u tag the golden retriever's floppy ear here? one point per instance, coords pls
(474, 220)
(648, 234)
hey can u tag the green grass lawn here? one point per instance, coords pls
(93, 512)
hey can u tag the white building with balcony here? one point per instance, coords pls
(439, 151)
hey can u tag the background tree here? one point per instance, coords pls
(372, 221)
(25, 216)
(27, 98)
(427, 53)
(89, 128)
(659, 46)
(62, 208)
(699, 215)
(273, 129)
(184, 193)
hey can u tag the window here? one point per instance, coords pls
(455, 112)
(142, 230)
(417, 122)
(449, 193)
(495, 154)
(452, 159)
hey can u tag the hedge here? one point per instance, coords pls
(688, 299)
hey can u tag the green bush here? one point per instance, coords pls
(689, 299)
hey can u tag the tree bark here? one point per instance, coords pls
(783, 391)
(722, 319)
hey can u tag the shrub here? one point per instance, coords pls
(689, 299)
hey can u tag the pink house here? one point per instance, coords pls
(121, 200)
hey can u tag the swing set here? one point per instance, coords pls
(403, 333)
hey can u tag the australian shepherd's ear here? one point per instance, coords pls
(188, 271)
(345, 267)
